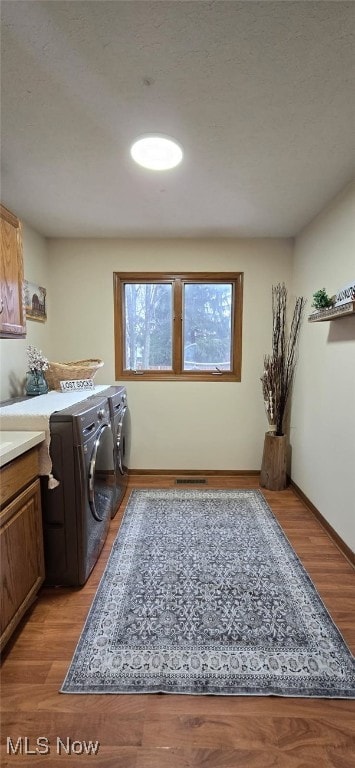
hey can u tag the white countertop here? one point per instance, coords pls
(33, 415)
(13, 444)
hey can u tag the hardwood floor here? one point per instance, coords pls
(166, 731)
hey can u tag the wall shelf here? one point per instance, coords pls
(333, 313)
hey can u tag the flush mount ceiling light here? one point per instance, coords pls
(156, 152)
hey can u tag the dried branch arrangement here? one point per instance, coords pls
(279, 367)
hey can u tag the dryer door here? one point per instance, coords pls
(101, 474)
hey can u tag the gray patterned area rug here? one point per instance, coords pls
(203, 594)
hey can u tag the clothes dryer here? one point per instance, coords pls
(121, 428)
(77, 514)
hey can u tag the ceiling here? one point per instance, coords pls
(260, 95)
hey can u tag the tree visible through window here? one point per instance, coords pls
(207, 326)
(148, 326)
(178, 326)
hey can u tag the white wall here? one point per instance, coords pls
(13, 351)
(323, 405)
(175, 425)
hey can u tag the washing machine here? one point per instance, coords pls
(121, 428)
(77, 514)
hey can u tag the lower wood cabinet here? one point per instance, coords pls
(21, 539)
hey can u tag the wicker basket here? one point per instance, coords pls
(78, 369)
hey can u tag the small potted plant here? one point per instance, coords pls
(321, 300)
(35, 381)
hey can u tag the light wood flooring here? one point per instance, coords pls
(167, 731)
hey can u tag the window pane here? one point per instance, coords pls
(207, 326)
(148, 326)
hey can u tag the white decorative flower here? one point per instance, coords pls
(36, 359)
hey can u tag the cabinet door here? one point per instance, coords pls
(22, 559)
(12, 309)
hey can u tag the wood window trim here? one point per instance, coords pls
(178, 279)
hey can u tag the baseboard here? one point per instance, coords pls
(198, 472)
(338, 541)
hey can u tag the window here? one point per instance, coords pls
(182, 327)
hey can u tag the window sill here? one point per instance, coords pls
(198, 376)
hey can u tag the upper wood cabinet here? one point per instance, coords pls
(12, 308)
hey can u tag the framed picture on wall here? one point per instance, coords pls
(35, 301)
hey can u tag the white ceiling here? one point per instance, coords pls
(260, 95)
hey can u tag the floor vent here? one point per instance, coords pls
(190, 480)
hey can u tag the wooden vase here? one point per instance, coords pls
(273, 467)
